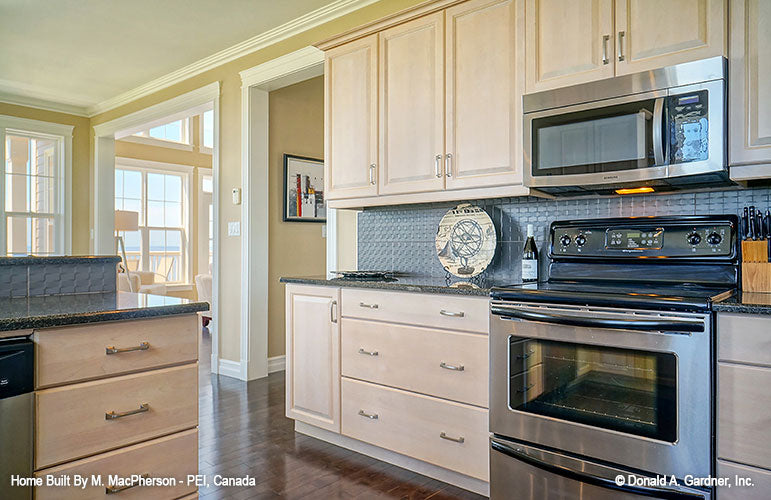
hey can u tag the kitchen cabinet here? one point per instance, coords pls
(750, 90)
(587, 40)
(351, 129)
(313, 355)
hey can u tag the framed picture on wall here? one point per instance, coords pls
(304, 189)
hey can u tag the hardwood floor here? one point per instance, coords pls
(243, 430)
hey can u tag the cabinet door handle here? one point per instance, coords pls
(605, 40)
(621, 35)
(112, 415)
(333, 311)
(369, 306)
(372, 169)
(452, 314)
(371, 416)
(111, 490)
(457, 368)
(368, 353)
(460, 439)
(438, 164)
(448, 165)
(111, 349)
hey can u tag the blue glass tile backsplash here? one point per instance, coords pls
(402, 238)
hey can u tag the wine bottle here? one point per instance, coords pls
(530, 258)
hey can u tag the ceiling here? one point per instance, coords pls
(85, 52)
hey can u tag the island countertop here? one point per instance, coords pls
(24, 313)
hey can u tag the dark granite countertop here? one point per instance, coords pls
(420, 284)
(57, 259)
(57, 310)
(745, 303)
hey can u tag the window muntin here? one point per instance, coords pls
(176, 131)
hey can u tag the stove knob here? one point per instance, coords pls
(714, 239)
(580, 240)
(693, 239)
(565, 240)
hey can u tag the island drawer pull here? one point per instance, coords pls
(371, 306)
(457, 368)
(112, 415)
(371, 416)
(111, 349)
(454, 440)
(111, 490)
(368, 353)
(452, 314)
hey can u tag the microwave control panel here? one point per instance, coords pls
(688, 127)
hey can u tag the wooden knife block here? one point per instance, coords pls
(756, 270)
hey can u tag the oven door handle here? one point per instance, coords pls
(584, 477)
(646, 325)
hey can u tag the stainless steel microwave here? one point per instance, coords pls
(658, 130)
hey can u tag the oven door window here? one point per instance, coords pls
(608, 139)
(618, 389)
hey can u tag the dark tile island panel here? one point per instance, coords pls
(43, 276)
(402, 238)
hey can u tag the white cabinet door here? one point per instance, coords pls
(313, 355)
(750, 90)
(484, 80)
(412, 106)
(351, 119)
(654, 34)
(568, 42)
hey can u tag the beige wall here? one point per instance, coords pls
(81, 193)
(230, 146)
(296, 126)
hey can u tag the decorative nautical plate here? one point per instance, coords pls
(465, 240)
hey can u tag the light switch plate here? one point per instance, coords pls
(234, 228)
(323, 230)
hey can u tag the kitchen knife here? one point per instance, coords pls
(745, 224)
(752, 232)
(768, 233)
(761, 226)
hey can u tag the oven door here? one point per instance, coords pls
(632, 388)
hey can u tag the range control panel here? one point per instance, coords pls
(689, 236)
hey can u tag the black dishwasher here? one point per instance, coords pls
(16, 415)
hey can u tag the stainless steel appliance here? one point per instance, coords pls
(662, 129)
(16, 415)
(606, 368)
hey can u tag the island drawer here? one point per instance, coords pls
(88, 418)
(433, 310)
(86, 352)
(173, 456)
(446, 364)
(744, 338)
(444, 433)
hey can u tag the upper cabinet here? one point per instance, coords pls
(585, 40)
(750, 89)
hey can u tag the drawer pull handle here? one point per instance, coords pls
(371, 416)
(522, 391)
(452, 314)
(454, 440)
(111, 349)
(457, 368)
(111, 490)
(370, 306)
(368, 353)
(143, 408)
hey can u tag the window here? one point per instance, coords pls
(33, 205)
(207, 129)
(161, 244)
(177, 131)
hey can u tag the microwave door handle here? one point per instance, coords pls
(587, 478)
(646, 325)
(658, 131)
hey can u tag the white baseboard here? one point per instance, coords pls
(229, 368)
(454, 478)
(276, 364)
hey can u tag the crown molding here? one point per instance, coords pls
(32, 96)
(310, 20)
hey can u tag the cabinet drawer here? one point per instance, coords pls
(744, 414)
(446, 364)
(71, 421)
(173, 456)
(413, 425)
(761, 482)
(744, 338)
(434, 310)
(77, 353)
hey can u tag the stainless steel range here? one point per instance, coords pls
(606, 369)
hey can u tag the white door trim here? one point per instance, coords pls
(256, 82)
